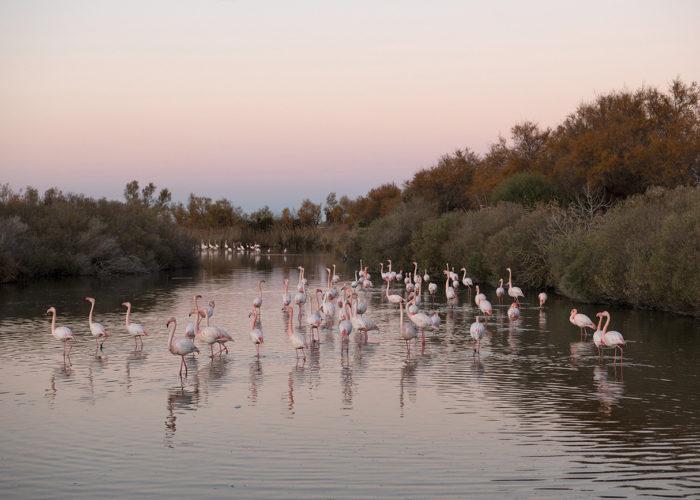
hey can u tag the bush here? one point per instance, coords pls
(526, 188)
(70, 235)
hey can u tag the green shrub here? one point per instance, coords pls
(526, 188)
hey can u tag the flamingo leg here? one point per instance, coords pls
(211, 349)
(257, 349)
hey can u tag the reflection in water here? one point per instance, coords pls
(255, 381)
(536, 396)
(180, 399)
(346, 383)
(608, 391)
(407, 383)
(134, 359)
(61, 374)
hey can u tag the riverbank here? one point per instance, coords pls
(643, 252)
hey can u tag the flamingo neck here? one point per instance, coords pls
(607, 322)
(53, 322)
(128, 314)
(172, 335)
(92, 306)
(600, 322)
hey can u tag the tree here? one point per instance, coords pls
(309, 213)
(131, 192)
(447, 183)
(147, 194)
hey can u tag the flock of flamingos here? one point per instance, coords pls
(345, 303)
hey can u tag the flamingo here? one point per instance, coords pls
(335, 278)
(542, 297)
(209, 335)
(257, 301)
(513, 311)
(62, 333)
(513, 291)
(477, 330)
(426, 276)
(479, 296)
(449, 291)
(314, 317)
(286, 298)
(612, 339)
(432, 288)
(393, 298)
(598, 334)
(256, 334)
(180, 347)
(466, 281)
(98, 331)
(486, 307)
(581, 320)
(435, 320)
(136, 330)
(210, 309)
(345, 325)
(407, 330)
(500, 291)
(422, 321)
(294, 338)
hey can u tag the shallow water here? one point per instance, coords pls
(536, 414)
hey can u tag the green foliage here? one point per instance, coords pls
(68, 235)
(642, 252)
(526, 188)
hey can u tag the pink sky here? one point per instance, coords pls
(271, 102)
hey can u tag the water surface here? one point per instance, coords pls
(537, 414)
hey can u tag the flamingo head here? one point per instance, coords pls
(90, 299)
(198, 296)
(171, 320)
(574, 311)
(126, 304)
(51, 310)
(508, 269)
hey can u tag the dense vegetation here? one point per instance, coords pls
(603, 207)
(67, 235)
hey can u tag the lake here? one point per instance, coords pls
(537, 414)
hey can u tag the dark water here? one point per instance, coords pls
(537, 414)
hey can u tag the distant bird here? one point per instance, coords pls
(426, 276)
(513, 311)
(500, 291)
(393, 298)
(581, 320)
(257, 301)
(136, 330)
(435, 320)
(513, 291)
(432, 288)
(486, 307)
(466, 281)
(210, 309)
(256, 334)
(181, 346)
(542, 297)
(62, 333)
(286, 298)
(477, 330)
(612, 339)
(479, 296)
(407, 330)
(294, 338)
(98, 331)
(598, 334)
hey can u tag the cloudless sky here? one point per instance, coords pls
(269, 102)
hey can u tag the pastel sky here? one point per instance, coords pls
(268, 102)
